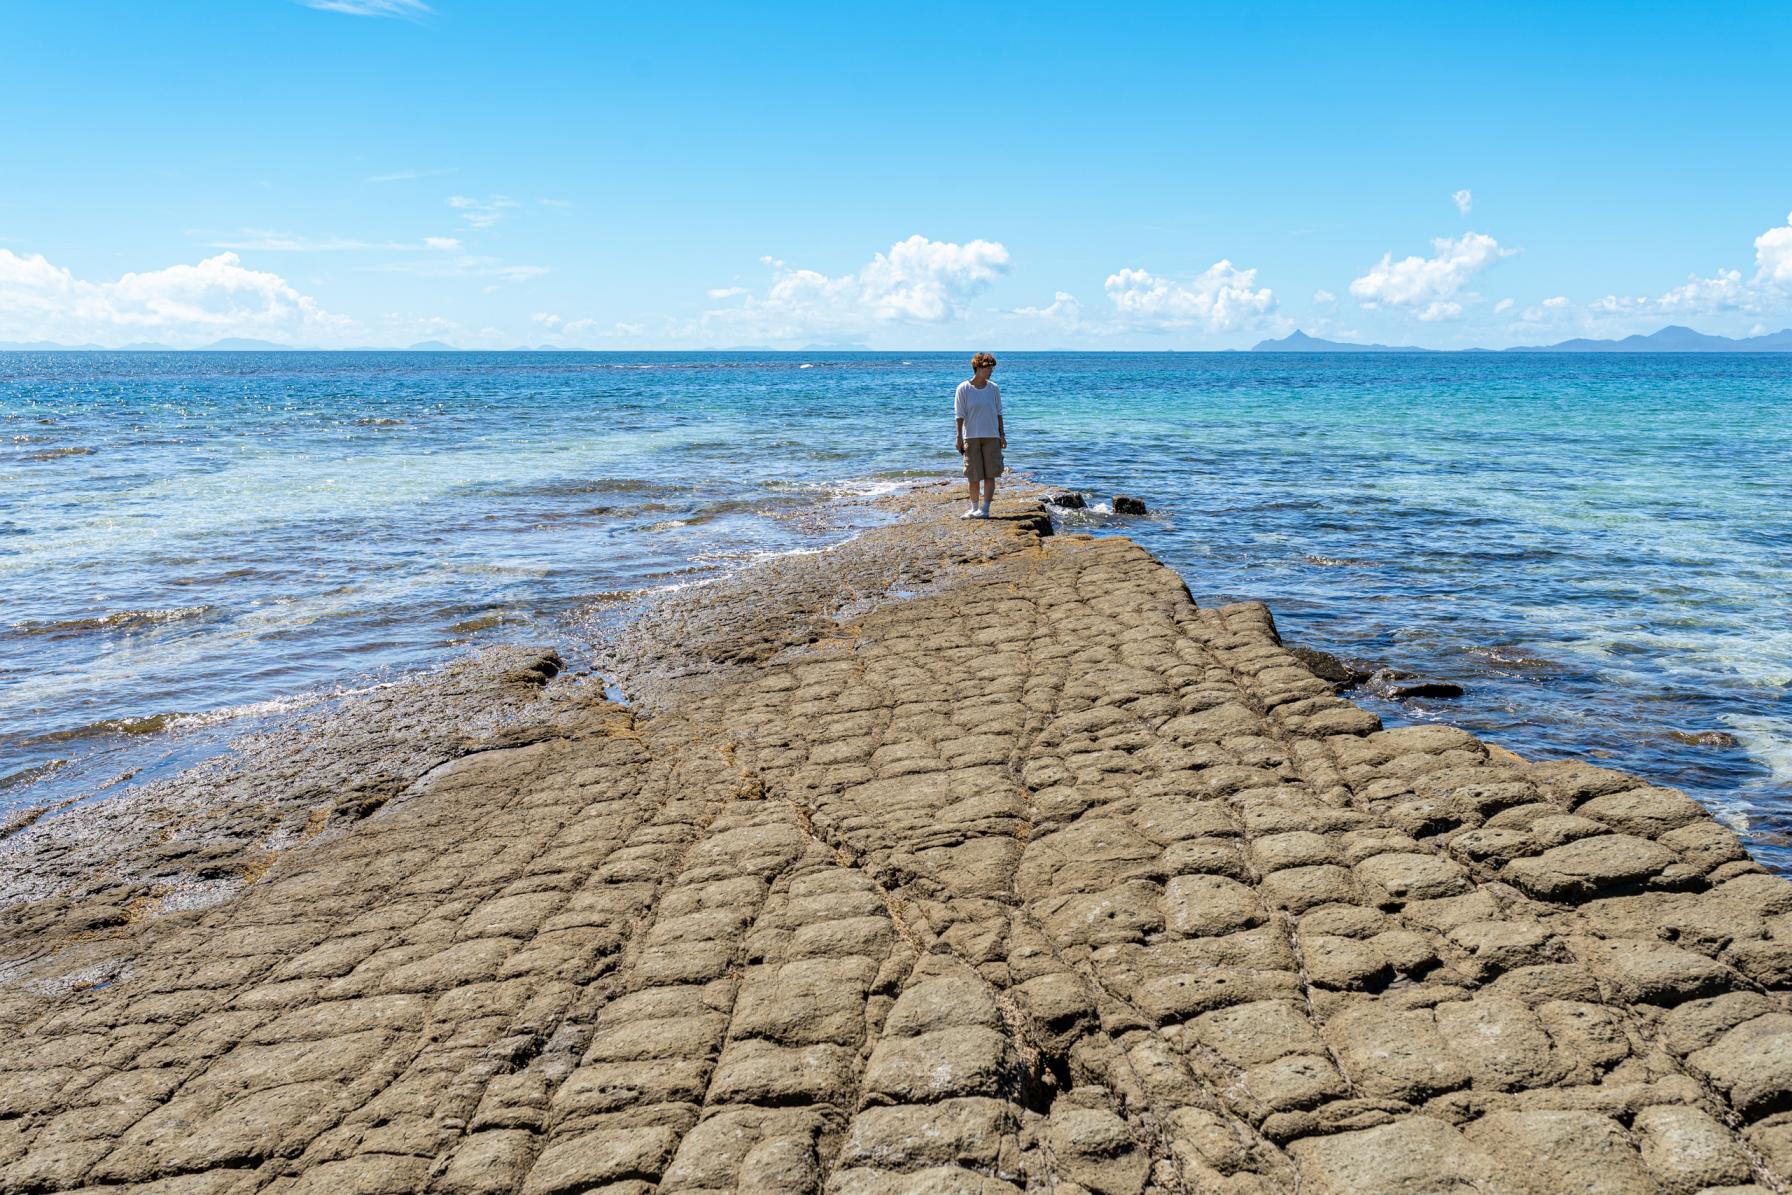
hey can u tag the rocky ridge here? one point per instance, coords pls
(963, 858)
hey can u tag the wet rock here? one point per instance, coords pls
(1124, 505)
(1330, 668)
(1067, 501)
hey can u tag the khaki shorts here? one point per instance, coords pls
(983, 458)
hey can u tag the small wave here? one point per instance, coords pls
(1765, 739)
(121, 620)
(50, 454)
(376, 421)
(1338, 562)
(27, 775)
(806, 365)
(108, 728)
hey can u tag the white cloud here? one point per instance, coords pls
(1429, 284)
(410, 10)
(214, 298)
(1723, 291)
(1063, 309)
(542, 317)
(926, 281)
(481, 213)
(1503, 306)
(457, 264)
(402, 176)
(727, 292)
(1324, 296)
(916, 281)
(260, 240)
(1463, 199)
(1221, 298)
(589, 328)
(1773, 255)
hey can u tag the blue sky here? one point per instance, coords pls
(936, 176)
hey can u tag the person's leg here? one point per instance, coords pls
(989, 492)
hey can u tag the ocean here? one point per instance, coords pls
(1597, 548)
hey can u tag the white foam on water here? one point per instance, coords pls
(1766, 739)
(271, 707)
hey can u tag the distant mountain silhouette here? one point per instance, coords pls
(433, 346)
(44, 346)
(1299, 342)
(1673, 339)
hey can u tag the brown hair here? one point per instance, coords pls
(983, 359)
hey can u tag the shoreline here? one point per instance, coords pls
(958, 854)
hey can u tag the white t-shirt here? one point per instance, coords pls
(981, 410)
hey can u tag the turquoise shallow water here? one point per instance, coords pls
(1597, 547)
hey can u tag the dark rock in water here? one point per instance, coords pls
(1400, 686)
(1327, 667)
(1128, 506)
(1067, 501)
(1705, 738)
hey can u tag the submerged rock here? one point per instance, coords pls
(1124, 505)
(1402, 686)
(1705, 738)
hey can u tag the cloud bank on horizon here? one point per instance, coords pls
(915, 284)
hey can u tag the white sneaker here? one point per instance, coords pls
(976, 512)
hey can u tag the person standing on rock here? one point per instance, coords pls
(977, 412)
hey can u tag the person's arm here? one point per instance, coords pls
(958, 416)
(1000, 429)
(960, 422)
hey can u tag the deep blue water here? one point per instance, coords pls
(1597, 546)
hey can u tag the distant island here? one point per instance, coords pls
(1299, 342)
(1672, 339)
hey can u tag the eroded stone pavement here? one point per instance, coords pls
(961, 859)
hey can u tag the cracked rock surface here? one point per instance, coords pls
(962, 858)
